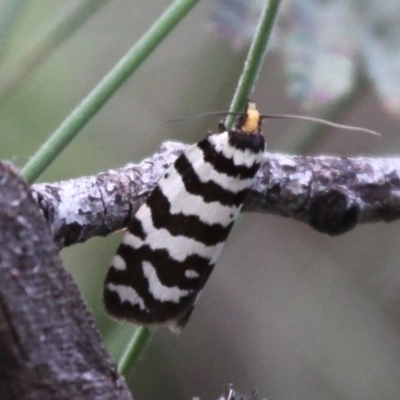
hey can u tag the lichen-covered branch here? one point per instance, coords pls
(331, 194)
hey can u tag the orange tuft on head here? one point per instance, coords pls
(252, 122)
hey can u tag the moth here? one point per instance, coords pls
(174, 240)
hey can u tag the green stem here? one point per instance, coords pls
(68, 22)
(134, 349)
(105, 89)
(254, 59)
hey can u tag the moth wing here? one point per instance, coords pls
(175, 238)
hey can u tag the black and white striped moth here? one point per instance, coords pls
(174, 240)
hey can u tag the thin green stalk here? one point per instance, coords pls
(134, 349)
(255, 58)
(66, 24)
(106, 88)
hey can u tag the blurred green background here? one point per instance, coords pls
(288, 311)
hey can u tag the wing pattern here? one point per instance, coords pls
(175, 238)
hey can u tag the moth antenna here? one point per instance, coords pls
(323, 122)
(199, 116)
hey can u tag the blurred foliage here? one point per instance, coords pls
(325, 44)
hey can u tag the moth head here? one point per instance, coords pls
(250, 121)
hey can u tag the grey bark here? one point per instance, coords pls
(50, 347)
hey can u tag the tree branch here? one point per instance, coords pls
(50, 347)
(330, 194)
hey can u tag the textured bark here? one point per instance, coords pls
(50, 347)
(331, 194)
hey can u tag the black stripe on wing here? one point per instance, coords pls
(171, 273)
(209, 191)
(226, 165)
(163, 314)
(135, 227)
(180, 224)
